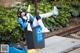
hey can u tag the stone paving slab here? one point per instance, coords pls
(57, 44)
(75, 51)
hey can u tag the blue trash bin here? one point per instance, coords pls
(35, 39)
(13, 49)
(39, 37)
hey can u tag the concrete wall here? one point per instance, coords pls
(9, 3)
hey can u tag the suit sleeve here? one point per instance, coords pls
(23, 24)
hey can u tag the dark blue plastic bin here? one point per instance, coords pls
(35, 39)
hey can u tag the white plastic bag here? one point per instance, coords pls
(29, 27)
(55, 11)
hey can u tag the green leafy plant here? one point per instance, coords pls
(8, 23)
